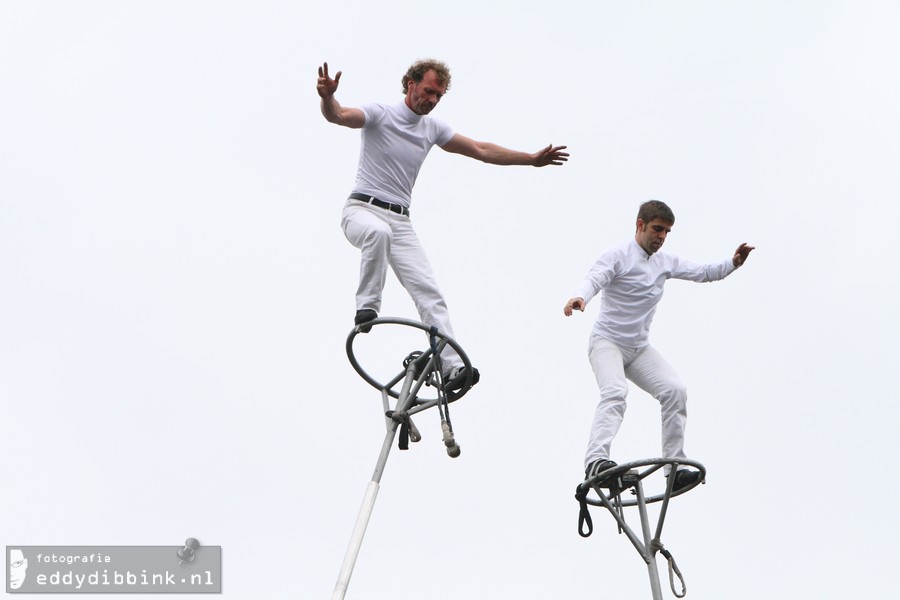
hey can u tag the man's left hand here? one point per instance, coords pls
(551, 155)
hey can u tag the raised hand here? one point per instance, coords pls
(325, 85)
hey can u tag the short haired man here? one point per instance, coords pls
(396, 138)
(631, 277)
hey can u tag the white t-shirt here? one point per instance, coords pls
(395, 142)
(632, 284)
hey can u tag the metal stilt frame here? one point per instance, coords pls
(609, 486)
(420, 369)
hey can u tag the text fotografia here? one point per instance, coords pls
(71, 559)
(117, 579)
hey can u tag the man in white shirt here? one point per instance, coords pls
(632, 277)
(396, 138)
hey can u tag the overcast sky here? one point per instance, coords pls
(176, 292)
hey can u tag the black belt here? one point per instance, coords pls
(400, 210)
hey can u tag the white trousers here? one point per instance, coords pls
(613, 367)
(385, 238)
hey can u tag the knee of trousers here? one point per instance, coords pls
(613, 395)
(675, 396)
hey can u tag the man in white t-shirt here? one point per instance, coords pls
(631, 277)
(396, 138)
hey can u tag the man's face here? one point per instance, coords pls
(424, 95)
(651, 236)
(17, 566)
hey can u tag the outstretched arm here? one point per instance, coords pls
(741, 254)
(574, 303)
(498, 155)
(331, 108)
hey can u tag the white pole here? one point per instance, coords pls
(404, 400)
(362, 520)
(359, 530)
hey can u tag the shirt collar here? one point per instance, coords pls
(407, 114)
(637, 248)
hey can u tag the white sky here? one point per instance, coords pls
(176, 290)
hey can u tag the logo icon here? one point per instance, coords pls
(18, 564)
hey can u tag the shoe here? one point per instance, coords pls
(684, 478)
(454, 380)
(364, 316)
(598, 466)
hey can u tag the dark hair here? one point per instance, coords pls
(417, 70)
(656, 209)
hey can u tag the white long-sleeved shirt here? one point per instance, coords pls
(632, 284)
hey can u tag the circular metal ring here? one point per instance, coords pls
(451, 396)
(652, 466)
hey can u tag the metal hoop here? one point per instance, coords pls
(653, 464)
(443, 340)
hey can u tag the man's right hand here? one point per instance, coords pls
(326, 86)
(576, 303)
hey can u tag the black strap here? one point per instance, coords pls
(584, 516)
(432, 338)
(403, 444)
(403, 419)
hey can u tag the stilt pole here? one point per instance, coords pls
(418, 372)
